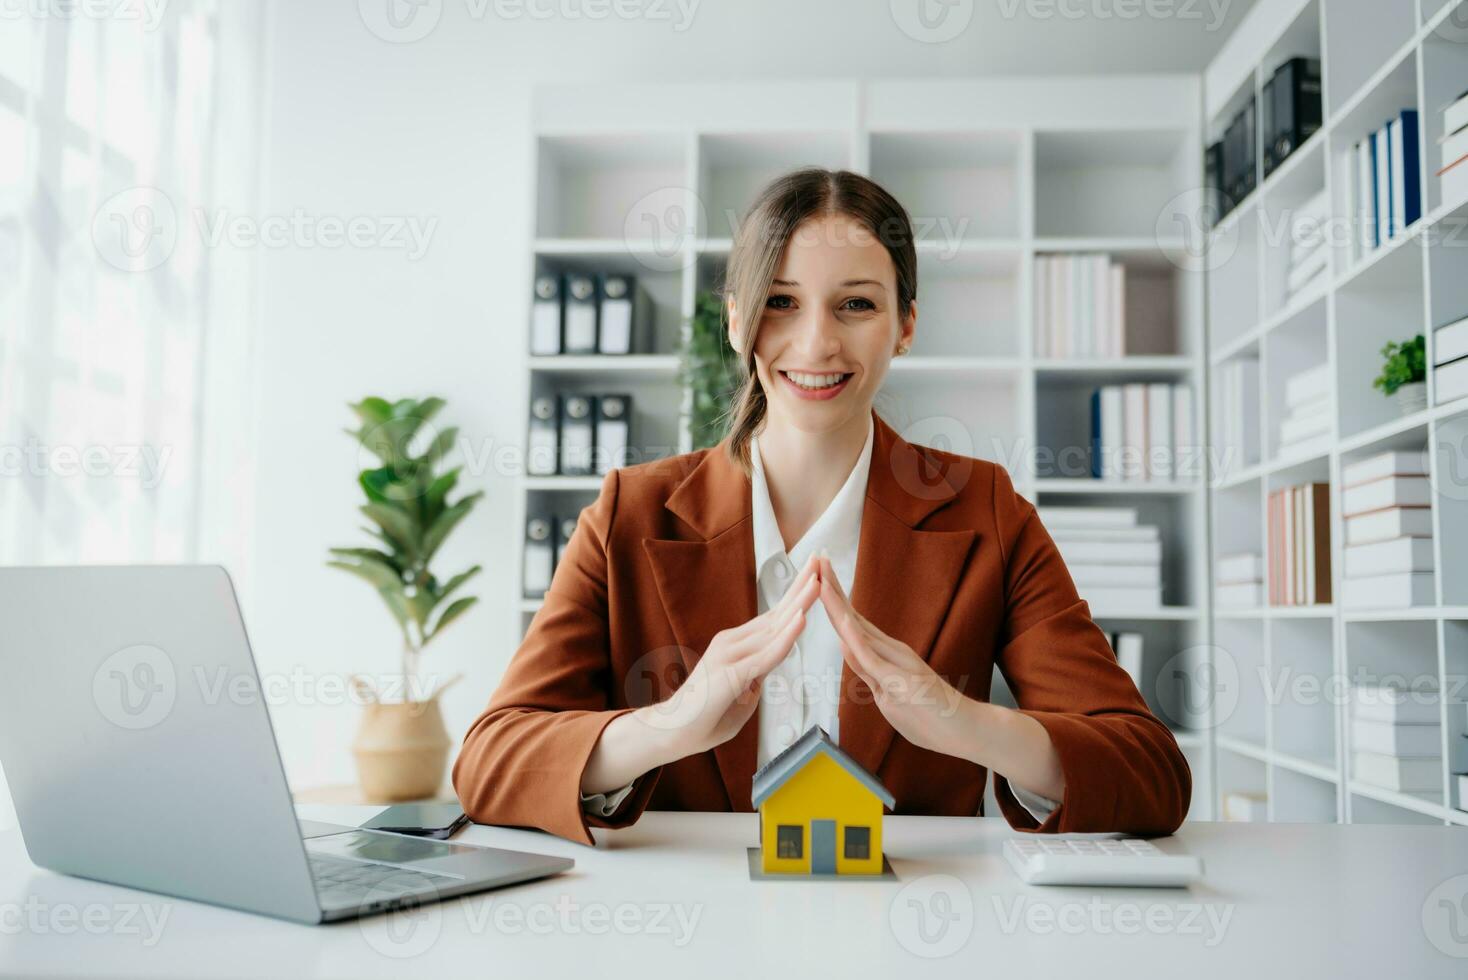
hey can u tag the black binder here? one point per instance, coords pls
(579, 326)
(613, 432)
(540, 450)
(625, 316)
(539, 562)
(577, 439)
(1296, 114)
(545, 316)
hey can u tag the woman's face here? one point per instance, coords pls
(830, 326)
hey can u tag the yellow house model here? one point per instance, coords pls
(820, 812)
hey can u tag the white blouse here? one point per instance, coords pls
(805, 689)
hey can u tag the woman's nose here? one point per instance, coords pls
(818, 336)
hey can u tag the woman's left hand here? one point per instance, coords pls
(919, 704)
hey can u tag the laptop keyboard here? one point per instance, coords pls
(345, 882)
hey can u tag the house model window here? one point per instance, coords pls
(820, 811)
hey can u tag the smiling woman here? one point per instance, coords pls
(816, 569)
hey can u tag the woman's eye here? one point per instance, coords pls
(859, 303)
(780, 302)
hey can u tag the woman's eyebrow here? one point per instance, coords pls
(861, 282)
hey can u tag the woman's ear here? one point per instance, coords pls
(733, 318)
(907, 329)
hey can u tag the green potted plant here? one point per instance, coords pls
(402, 745)
(1403, 374)
(710, 371)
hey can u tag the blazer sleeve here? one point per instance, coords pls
(1123, 768)
(522, 760)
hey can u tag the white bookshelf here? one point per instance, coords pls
(994, 173)
(1378, 58)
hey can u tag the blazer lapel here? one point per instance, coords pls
(905, 576)
(707, 585)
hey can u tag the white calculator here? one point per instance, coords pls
(1107, 861)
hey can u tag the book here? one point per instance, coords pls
(1395, 705)
(1159, 431)
(1238, 413)
(1453, 147)
(1100, 573)
(1391, 463)
(1450, 381)
(1401, 775)
(1238, 595)
(1453, 182)
(1307, 385)
(1385, 557)
(1307, 269)
(1300, 426)
(1112, 431)
(1134, 448)
(1450, 341)
(1298, 545)
(1098, 552)
(1245, 807)
(1392, 522)
(1462, 781)
(1364, 172)
(1103, 598)
(1405, 171)
(1142, 532)
(1402, 741)
(1455, 113)
(1381, 152)
(1128, 649)
(1185, 462)
(1395, 590)
(1094, 517)
(1245, 566)
(1389, 491)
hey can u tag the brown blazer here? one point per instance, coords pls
(952, 561)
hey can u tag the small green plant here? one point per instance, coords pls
(710, 370)
(409, 507)
(1406, 362)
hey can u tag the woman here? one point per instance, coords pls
(815, 568)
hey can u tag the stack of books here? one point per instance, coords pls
(1309, 253)
(1454, 146)
(1238, 580)
(1080, 306)
(1128, 650)
(1386, 193)
(1245, 807)
(1115, 562)
(1450, 361)
(1387, 500)
(1299, 545)
(1309, 414)
(1237, 407)
(1396, 739)
(1142, 432)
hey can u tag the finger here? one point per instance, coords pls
(779, 647)
(843, 618)
(810, 571)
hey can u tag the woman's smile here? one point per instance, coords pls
(816, 386)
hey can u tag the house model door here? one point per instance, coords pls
(823, 847)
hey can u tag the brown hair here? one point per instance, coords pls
(784, 204)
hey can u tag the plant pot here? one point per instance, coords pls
(1411, 397)
(401, 749)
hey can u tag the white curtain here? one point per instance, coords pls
(115, 132)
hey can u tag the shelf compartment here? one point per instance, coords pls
(1288, 190)
(662, 287)
(1383, 304)
(1301, 797)
(734, 168)
(1364, 41)
(1239, 662)
(1449, 465)
(1108, 182)
(955, 186)
(1301, 670)
(968, 304)
(1295, 345)
(1234, 288)
(952, 413)
(614, 187)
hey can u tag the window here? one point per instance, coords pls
(859, 843)
(789, 841)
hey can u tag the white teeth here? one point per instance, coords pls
(813, 380)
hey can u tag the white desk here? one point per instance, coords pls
(1279, 901)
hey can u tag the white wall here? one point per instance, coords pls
(439, 129)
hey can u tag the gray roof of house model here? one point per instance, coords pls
(787, 763)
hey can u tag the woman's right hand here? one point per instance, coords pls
(723, 690)
(713, 704)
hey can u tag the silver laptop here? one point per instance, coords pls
(139, 752)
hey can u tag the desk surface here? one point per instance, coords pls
(671, 897)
